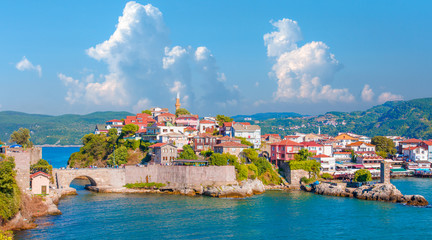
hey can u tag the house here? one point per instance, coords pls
(160, 128)
(187, 120)
(225, 129)
(176, 139)
(328, 164)
(409, 143)
(157, 110)
(190, 132)
(370, 161)
(284, 151)
(416, 154)
(163, 153)
(206, 125)
(227, 139)
(233, 148)
(428, 145)
(361, 147)
(252, 133)
(270, 138)
(165, 117)
(342, 156)
(114, 122)
(312, 137)
(101, 128)
(313, 147)
(40, 183)
(345, 139)
(294, 138)
(204, 141)
(3, 149)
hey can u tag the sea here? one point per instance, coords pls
(272, 215)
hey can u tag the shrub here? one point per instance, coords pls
(121, 156)
(6, 235)
(362, 175)
(242, 172)
(327, 176)
(145, 185)
(310, 166)
(207, 153)
(307, 180)
(10, 197)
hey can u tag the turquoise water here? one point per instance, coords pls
(58, 156)
(273, 215)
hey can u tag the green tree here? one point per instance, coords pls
(245, 141)
(119, 156)
(181, 111)
(207, 153)
(21, 137)
(187, 153)
(10, 198)
(41, 165)
(129, 130)
(303, 155)
(147, 112)
(218, 159)
(384, 146)
(311, 166)
(362, 175)
(112, 132)
(222, 118)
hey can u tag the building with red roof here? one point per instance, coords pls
(40, 183)
(233, 148)
(284, 151)
(328, 164)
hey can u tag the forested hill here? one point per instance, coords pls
(411, 118)
(63, 130)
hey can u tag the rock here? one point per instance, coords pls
(377, 192)
(246, 188)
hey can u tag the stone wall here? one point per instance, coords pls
(172, 175)
(293, 177)
(109, 177)
(181, 175)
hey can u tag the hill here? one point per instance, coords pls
(266, 116)
(45, 129)
(411, 119)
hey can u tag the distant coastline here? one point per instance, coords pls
(54, 145)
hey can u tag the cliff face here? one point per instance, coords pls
(377, 192)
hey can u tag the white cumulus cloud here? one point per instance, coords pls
(302, 72)
(388, 96)
(26, 65)
(144, 69)
(367, 93)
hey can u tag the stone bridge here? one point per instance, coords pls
(112, 177)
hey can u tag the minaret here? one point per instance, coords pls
(319, 130)
(177, 104)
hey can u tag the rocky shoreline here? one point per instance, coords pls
(243, 189)
(377, 192)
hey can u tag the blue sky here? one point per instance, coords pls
(229, 57)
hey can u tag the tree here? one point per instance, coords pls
(181, 111)
(112, 132)
(206, 153)
(129, 129)
(362, 175)
(119, 156)
(188, 153)
(245, 141)
(10, 198)
(147, 112)
(303, 155)
(21, 137)
(41, 165)
(222, 118)
(384, 146)
(218, 159)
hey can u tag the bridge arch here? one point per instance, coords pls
(98, 177)
(90, 179)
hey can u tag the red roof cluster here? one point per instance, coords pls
(287, 142)
(39, 173)
(311, 144)
(231, 144)
(157, 145)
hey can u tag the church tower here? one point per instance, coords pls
(177, 104)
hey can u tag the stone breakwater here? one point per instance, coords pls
(377, 192)
(243, 189)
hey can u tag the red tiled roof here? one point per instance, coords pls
(271, 135)
(190, 129)
(342, 153)
(232, 145)
(206, 122)
(311, 144)
(287, 142)
(321, 156)
(115, 120)
(244, 123)
(157, 145)
(292, 136)
(166, 115)
(412, 140)
(228, 124)
(359, 143)
(429, 143)
(39, 173)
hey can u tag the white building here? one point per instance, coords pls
(252, 133)
(40, 183)
(206, 124)
(361, 147)
(328, 164)
(416, 154)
